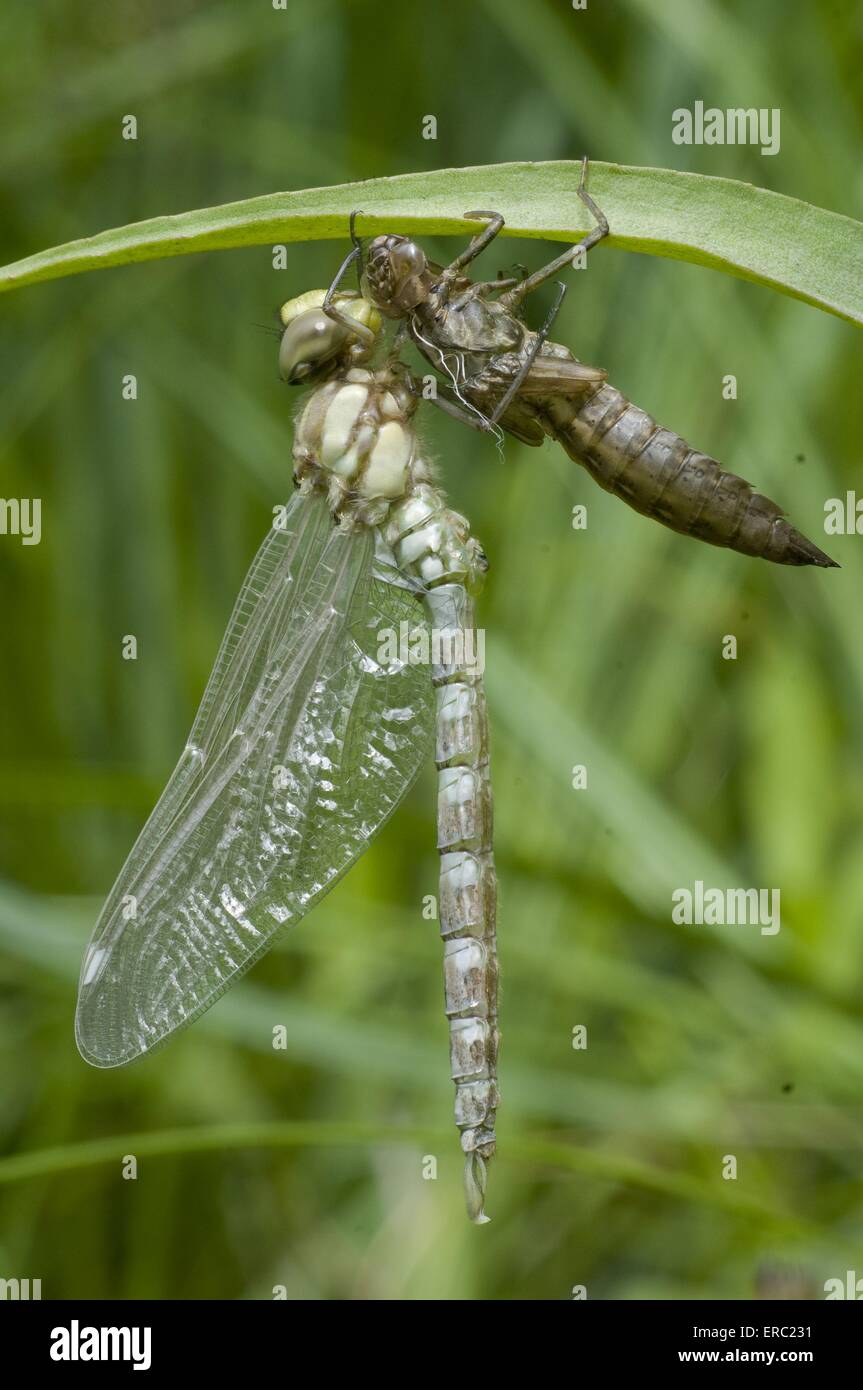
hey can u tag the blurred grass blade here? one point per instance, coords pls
(804, 251)
(191, 51)
(612, 1167)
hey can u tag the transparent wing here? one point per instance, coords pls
(304, 744)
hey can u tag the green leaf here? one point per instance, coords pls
(750, 232)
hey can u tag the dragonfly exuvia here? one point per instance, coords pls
(495, 369)
(311, 730)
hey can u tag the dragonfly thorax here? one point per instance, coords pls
(355, 442)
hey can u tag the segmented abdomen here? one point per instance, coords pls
(434, 543)
(468, 885)
(661, 476)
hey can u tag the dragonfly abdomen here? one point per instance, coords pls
(661, 476)
(468, 884)
(435, 544)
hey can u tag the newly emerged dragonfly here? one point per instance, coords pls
(496, 369)
(314, 725)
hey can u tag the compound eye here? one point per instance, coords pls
(310, 338)
(408, 260)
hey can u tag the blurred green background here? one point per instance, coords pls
(603, 647)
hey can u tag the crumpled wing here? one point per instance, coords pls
(304, 744)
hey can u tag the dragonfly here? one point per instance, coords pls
(313, 726)
(499, 374)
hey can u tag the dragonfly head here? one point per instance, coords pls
(396, 275)
(313, 342)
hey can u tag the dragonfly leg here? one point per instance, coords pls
(331, 309)
(596, 212)
(352, 256)
(513, 298)
(396, 345)
(357, 244)
(477, 243)
(483, 288)
(530, 357)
